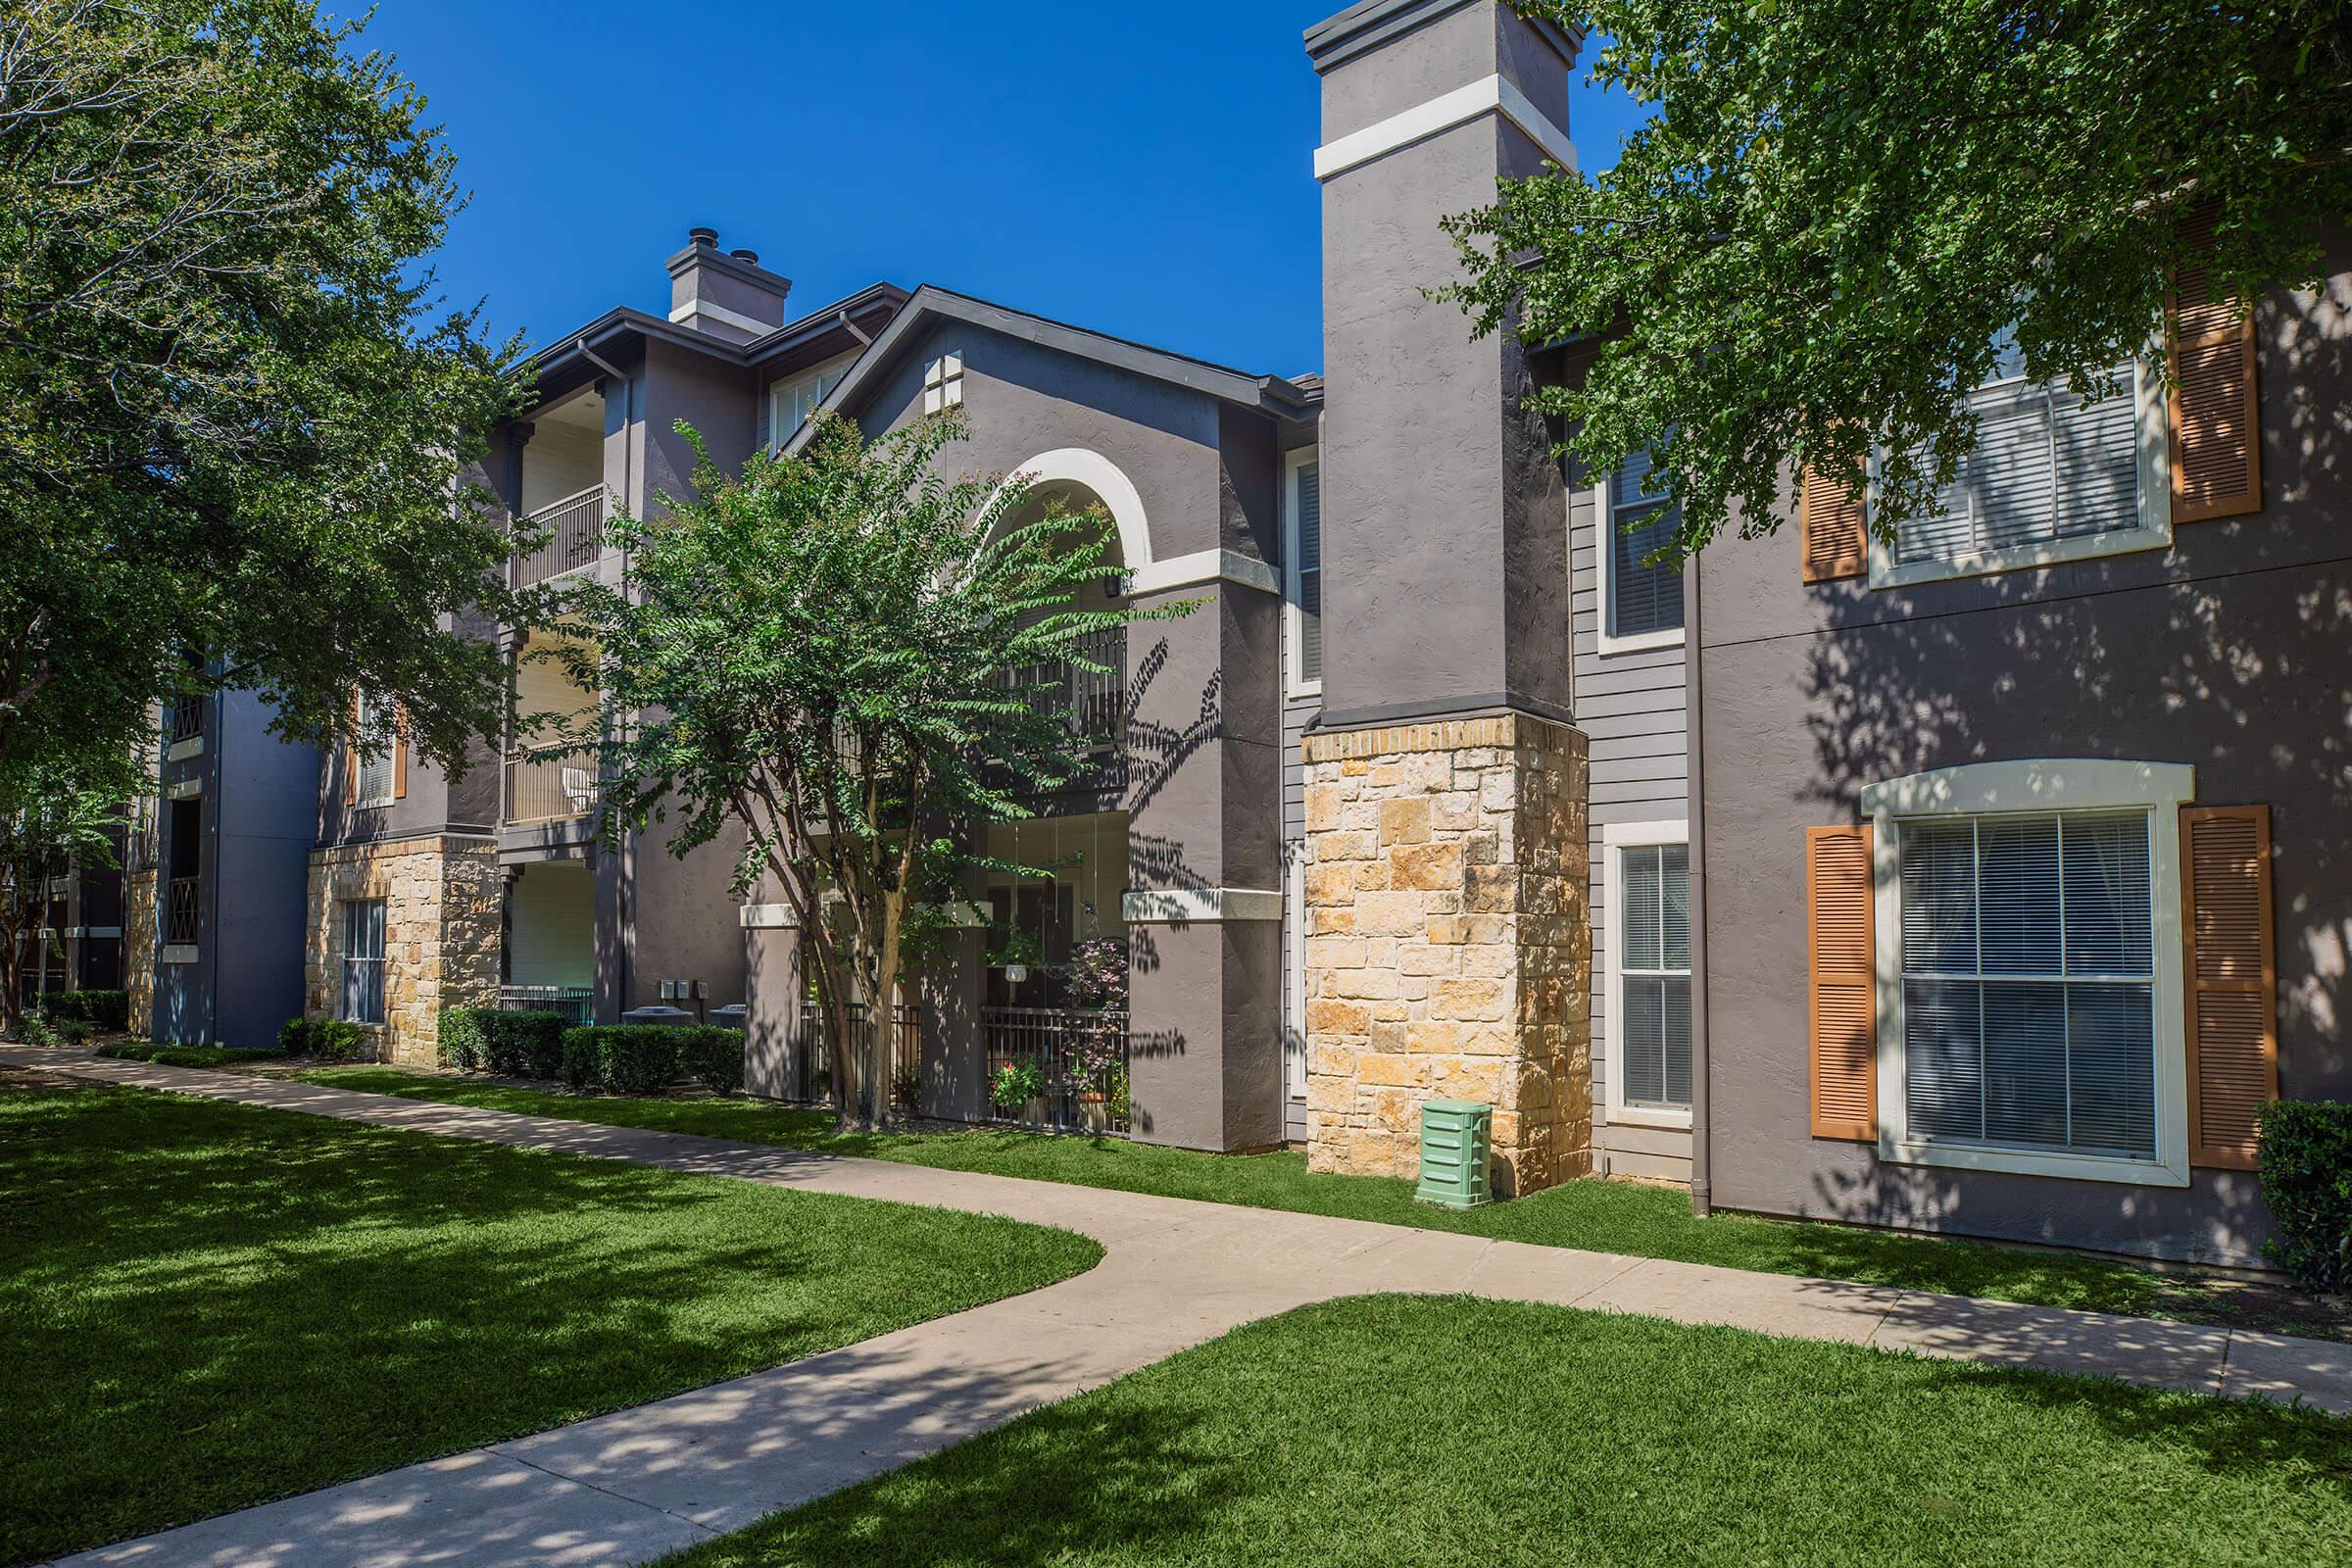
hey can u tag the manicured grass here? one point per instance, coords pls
(1405, 1430)
(188, 1055)
(205, 1305)
(1600, 1215)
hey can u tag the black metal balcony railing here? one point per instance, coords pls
(576, 1003)
(185, 721)
(183, 910)
(570, 534)
(550, 784)
(1091, 703)
(816, 1054)
(1080, 1061)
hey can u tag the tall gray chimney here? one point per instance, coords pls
(729, 296)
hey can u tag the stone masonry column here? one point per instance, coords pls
(1446, 934)
(1448, 954)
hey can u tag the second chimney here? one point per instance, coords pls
(728, 296)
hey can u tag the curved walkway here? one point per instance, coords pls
(629, 1486)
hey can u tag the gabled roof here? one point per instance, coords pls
(1266, 394)
(874, 301)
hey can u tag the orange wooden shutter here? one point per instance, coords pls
(400, 755)
(1844, 1011)
(2215, 407)
(350, 758)
(1833, 540)
(2233, 979)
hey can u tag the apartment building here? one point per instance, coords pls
(1982, 880)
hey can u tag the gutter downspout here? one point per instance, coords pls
(1694, 708)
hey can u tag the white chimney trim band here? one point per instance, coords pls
(685, 313)
(1490, 94)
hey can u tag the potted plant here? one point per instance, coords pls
(1018, 1089)
(1016, 953)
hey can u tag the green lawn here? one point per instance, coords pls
(205, 1305)
(1604, 1216)
(1408, 1431)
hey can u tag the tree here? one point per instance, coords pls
(1808, 252)
(56, 812)
(844, 657)
(230, 425)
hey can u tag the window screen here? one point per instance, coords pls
(1310, 573)
(1654, 969)
(2028, 981)
(376, 769)
(363, 960)
(1641, 598)
(2047, 466)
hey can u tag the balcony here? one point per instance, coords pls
(571, 535)
(550, 784)
(186, 721)
(184, 911)
(574, 1003)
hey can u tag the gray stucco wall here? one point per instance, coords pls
(259, 801)
(2228, 651)
(1445, 531)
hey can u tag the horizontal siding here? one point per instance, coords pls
(1297, 715)
(1630, 707)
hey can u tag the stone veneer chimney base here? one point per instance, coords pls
(1447, 943)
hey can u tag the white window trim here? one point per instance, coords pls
(1294, 684)
(778, 432)
(362, 762)
(2152, 432)
(2040, 785)
(1604, 572)
(1294, 979)
(1616, 837)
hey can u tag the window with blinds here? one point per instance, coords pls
(1639, 599)
(378, 770)
(2028, 981)
(2048, 468)
(1654, 975)
(363, 960)
(1307, 572)
(798, 398)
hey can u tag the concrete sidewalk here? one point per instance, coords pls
(629, 1486)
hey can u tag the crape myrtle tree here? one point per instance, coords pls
(1807, 252)
(234, 416)
(838, 656)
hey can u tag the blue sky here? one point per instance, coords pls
(1143, 171)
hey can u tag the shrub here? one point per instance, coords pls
(332, 1039)
(459, 1039)
(338, 1040)
(522, 1044)
(711, 1056)
(1014, 1085)
(36, 1030)
(107, 1010)
(2306, 1162)
(623, 1059)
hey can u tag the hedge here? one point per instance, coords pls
(335, 1038)
(512, 1044)
(107, 1010)
(647, 1058)
(622, 1058)
(2305, 1157)
(712, 1057)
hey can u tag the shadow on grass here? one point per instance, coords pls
(1422, 1430)
(207, 1305)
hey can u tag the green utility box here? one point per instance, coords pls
(1455, 1133)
